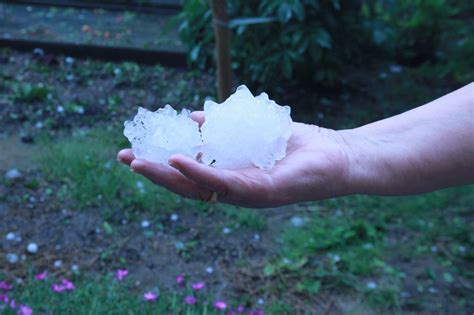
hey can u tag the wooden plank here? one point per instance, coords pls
(163, 8)
(168, 58)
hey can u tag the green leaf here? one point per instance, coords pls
(448, 277)
(287, 67)
(269, 270)
(195, 53)
(323, 38)
(108, 228)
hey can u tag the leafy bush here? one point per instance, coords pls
(414, 31)
(304, 42)
(316, 42)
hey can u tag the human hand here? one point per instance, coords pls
(315, 167)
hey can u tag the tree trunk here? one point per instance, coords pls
(222, 36)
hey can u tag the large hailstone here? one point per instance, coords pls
(155, 136)
(245, 131)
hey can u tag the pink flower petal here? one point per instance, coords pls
(240, 309)
(121, 274)
(5, 286)
(257, 312)
(220, 305)
(150, 296)
(58, 288)
(41, 276)
(13, 304)
(190, 300)
(4, 298)
(179, 279)
(198, 285)
(68, 285)
(25, 310)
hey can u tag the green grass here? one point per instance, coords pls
(105, 295)
(86, 167)
(345, 245)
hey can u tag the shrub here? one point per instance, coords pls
(303, 42)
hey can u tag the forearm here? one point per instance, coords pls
(428, 148)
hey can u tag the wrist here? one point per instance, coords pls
(368, 162)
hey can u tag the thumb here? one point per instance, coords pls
(209, 177)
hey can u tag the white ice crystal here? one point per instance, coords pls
(244, 131)
(155, 136)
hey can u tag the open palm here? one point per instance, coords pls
(314, 168)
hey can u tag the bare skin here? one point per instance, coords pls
(425, 149)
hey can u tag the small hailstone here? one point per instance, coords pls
(58, 264)
(10, 236)
(12, 258)
(60, 109)
(245, 131)
(395, 69)
(12, 174)
(39, 125)
(297, 221)
(260, 301)
(38, 51)
(462, 249)
(174, 217)
(209, 270)
(79, 110)
(256, 237)
(226, 230)
(75, 268)
(145, 224)
(69, 60)
(32, 248)
(70, 77)
(117, 71)
(155, 136)
(432, 290)
(371, 285)
(336, 258)
(140, 186)
(434, 249)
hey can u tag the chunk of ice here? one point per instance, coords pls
(244, 131)
(155, 136)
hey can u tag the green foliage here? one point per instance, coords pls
(344, 242)
(87, 168)
(308, 43)
(301, 41)
(432, 33)
(248, 218)
(26, 92)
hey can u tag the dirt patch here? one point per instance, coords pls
(17, 154)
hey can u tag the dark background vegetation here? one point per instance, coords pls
(331, 47)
